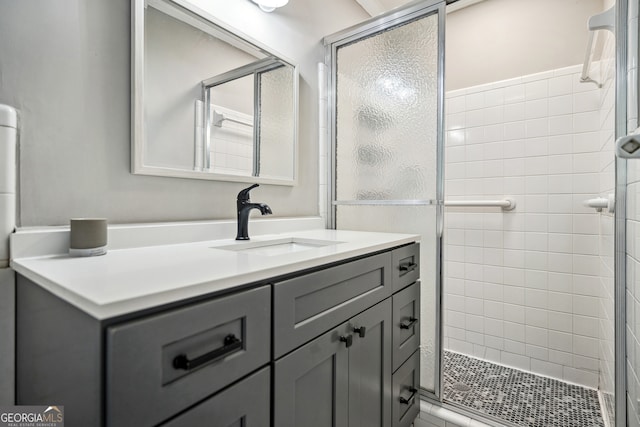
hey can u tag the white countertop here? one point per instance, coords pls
(130, 279)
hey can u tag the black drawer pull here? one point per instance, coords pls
(348, 340)
(231, 344)
(407, 401)
(361, 331)
(409, 266)
(412, 321)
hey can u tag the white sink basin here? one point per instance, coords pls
(285, 245)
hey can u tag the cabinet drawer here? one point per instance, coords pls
(245, 404)
(406, 323)
(406, 266)
(160, 365)
(405, 392)
(307, 306)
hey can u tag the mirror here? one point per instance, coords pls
(208, 103)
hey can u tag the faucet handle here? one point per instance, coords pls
(243, 195)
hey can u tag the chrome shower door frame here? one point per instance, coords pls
(403, 15)
(620, 229)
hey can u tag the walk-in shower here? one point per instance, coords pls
(509, 175)
(532, 288)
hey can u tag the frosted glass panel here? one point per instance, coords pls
(414, 220)
(277, 124)
(386, 114)
(386, 148)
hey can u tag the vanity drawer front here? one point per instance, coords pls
(406, 323)
(405, 392)
(307, 306)
(245, 404)
(406, 266)
(160, 365)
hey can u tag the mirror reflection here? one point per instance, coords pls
(208, 104)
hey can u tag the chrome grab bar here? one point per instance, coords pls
(218, 118)
(505, 204)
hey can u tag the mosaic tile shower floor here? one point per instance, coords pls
(518, 397)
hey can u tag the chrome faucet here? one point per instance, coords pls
(244, 207)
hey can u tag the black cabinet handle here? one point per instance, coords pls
(412, 321)
(413, 393)
(348, 340)
(231, 344)
(409, 266)
(360, 331)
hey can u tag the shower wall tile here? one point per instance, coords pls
(524, 287)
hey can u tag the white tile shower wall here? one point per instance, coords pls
(232, 143)
(633, 231)
(522, 288)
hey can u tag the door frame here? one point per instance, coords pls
(620, 216)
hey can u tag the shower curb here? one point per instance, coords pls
(428, 410)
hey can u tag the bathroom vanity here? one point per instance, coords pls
(317, 328)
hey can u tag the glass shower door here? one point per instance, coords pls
(386, 129)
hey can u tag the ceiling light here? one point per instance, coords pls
(270, 5)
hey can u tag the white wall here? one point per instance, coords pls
(66, 67)
(522, 287)
(500, 39)
(177, 58)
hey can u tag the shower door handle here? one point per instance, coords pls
(628, 146)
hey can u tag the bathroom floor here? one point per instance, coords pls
(518, 397)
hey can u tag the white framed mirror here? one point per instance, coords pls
(207, 101)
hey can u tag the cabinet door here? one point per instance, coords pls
(311, 383)
(370, 367)
(245, 404)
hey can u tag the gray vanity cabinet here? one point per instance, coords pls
(341, 378)
(344, 376)
(335, 346)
